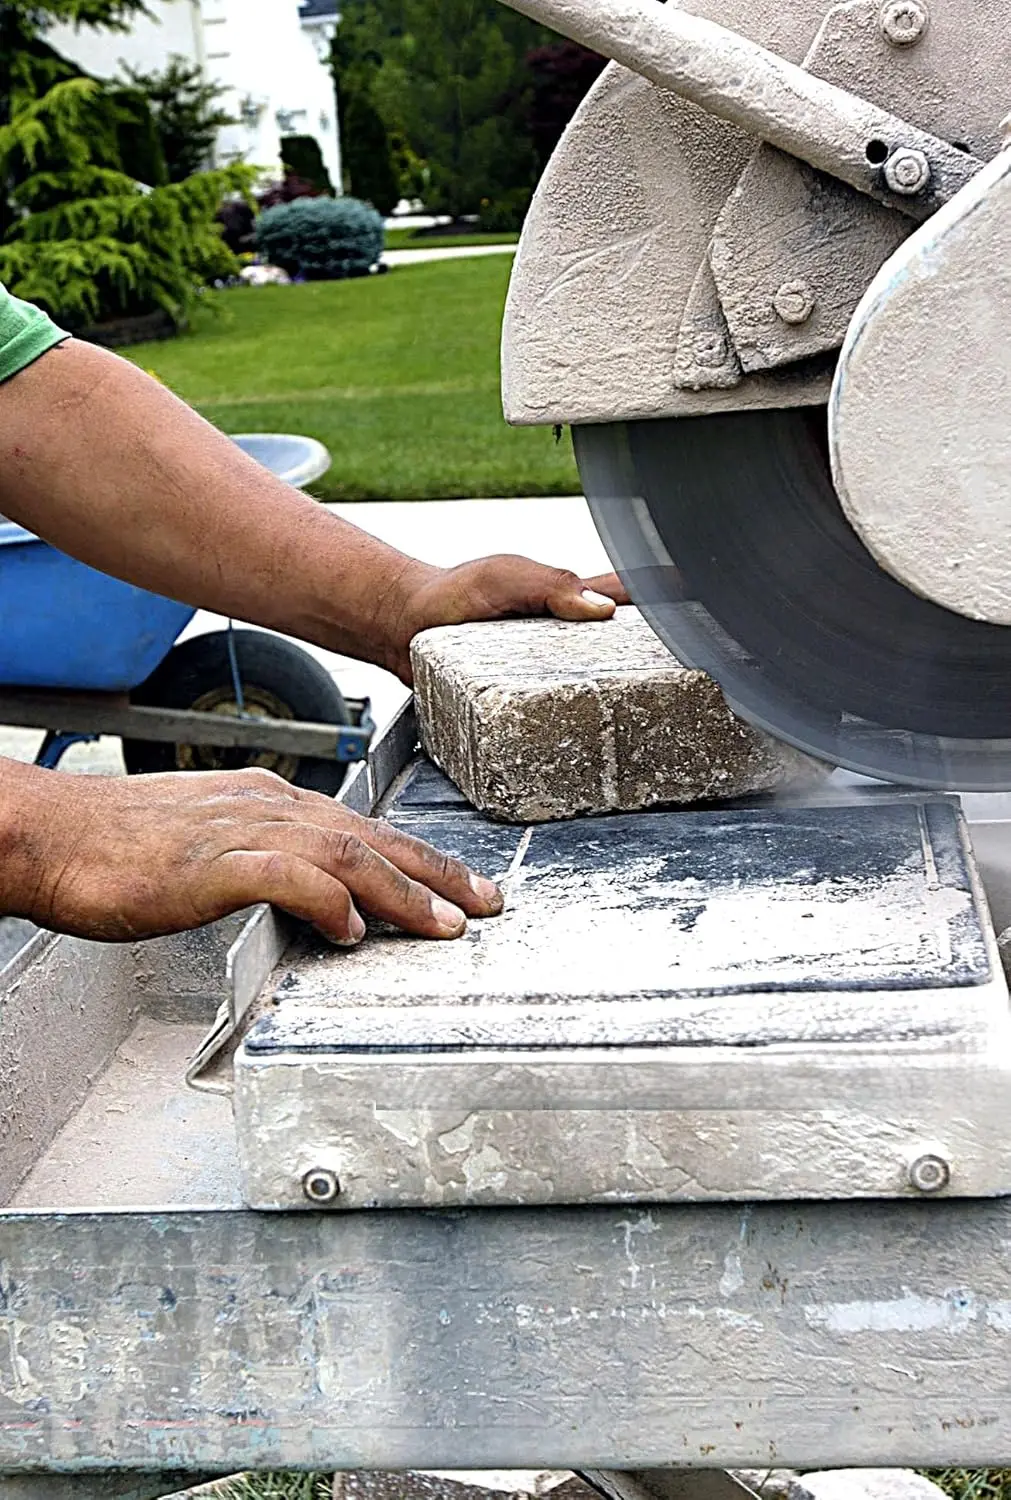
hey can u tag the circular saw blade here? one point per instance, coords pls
(728, 535)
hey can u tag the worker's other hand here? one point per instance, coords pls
(123, 858)
(492, 589)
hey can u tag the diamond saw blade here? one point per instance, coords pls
(728, 535)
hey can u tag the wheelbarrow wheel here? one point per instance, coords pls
(279, 680)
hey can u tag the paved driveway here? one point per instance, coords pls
(395, 258)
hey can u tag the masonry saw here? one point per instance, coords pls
(766, 280)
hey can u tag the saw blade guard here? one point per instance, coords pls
(673, 265)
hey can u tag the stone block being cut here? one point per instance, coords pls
(543, 719)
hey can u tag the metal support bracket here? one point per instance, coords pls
(667, 1484)
(84, 716)
(55, 746)
(794, 250)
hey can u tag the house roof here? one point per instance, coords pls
(318, 10)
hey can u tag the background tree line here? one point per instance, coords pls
(106, 212)
(458, 103)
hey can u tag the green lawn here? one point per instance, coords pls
(397, 375)
(414, 239)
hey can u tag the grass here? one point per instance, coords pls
(414, 239)
(973, 1484)
(270, 1487)
(398, 375)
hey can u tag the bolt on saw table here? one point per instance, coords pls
(739, 1210)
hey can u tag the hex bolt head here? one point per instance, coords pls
(320, 1185)
(904, 22)
(907, 172)
(929, 1174)
(794, 302)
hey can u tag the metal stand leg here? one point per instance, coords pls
(54, 745)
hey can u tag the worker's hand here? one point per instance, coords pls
(122, 858)
(493, 588)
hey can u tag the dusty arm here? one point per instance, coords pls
(109, 466)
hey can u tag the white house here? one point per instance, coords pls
(270, 55)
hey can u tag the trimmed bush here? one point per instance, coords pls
(301, 156)
(368, 156)
(321, 239)
(505, 213)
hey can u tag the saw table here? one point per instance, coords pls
(696, 1159)
(584, 1250)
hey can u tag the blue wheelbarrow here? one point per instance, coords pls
(83, 654)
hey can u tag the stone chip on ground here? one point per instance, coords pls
(870, 1484)
(498, 1484)
(542, 719)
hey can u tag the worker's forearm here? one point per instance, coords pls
(107, 465)
(27, 812)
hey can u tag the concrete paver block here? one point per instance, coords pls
(543, 719)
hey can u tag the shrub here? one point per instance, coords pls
(290, 187)
(368, 155)
(238, 225)
(186, 114)
(505, 213)
(321, 239)
(301, 156)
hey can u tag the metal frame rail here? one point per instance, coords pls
(70, 717)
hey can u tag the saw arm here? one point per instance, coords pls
(751, 87)
(955, 269)
(674, 263)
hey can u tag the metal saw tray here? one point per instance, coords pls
(776, 1000)
(152, 1322)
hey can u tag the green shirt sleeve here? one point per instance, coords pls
(25, 333)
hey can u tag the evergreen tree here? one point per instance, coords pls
(302, 156)
(187, 115)
(27, 62)
(453, 83)
(91, 228)
(368, 158)
(457, 83)
(370, 169)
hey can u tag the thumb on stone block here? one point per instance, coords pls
(588, 598)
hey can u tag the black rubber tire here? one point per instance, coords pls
(268, 665)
